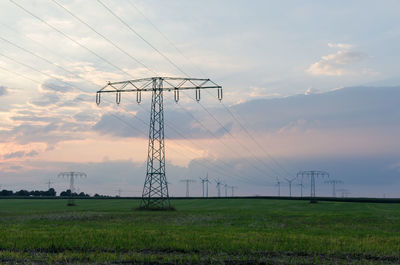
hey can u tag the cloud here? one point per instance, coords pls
(20, 154)
(341, 108)
(46, 100)
(311, 91)
(335, 64)
(3, 91)
(54, 85)
(340, 45)
(17, 154)
(178, 125)
(84, 116)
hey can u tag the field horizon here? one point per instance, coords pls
(228, 231)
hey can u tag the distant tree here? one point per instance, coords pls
(22, 193)
(65, 193)
(6, 193)
(36, 193)
(51, 192)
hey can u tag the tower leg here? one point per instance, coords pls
(155, 189)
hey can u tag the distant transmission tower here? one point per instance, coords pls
(232, 190)
(206, 181)
(312, 174)
(119, 192)
(344, 192)
(226, 189)
(333, 182)
(290, 185)
(187, 185)
(72, 175)
(155, 188)
(218, 187)
(48, 184)
(301, 185)
(278, 183)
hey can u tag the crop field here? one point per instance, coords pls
(224, 231)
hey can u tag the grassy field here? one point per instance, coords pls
(226, 231)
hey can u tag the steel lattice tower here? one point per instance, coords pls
(155, 189)
(72, 176)
(312, 174)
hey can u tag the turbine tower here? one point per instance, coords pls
(278, 183)
(155, 188)
(218, 187)
(290, 185)
(206, 181)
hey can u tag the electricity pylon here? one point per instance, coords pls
(312, 174)
(301, 185)
(187, 185)
(226, 189)
(155, 188)
(278, 183)
(218, 187)
(232, 190)
(119, 192)
(204, 180)
(72, 175)
(344, 192)
(333, 182)
(49, 183)
(290, 185)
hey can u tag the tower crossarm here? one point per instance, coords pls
(169, 84)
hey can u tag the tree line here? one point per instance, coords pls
(41, 193)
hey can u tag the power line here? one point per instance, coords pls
(69, 38)
(104, 37)
(142, 38)
(67, 35)
(233, 137)
(165, 37)
(117, 117)
(147, 42)
(254, 139)
(227, 109)
(52, 28)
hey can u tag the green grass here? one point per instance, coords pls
(228, 231)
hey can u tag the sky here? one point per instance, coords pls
(308, 85)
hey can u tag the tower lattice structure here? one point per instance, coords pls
(155, 188)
